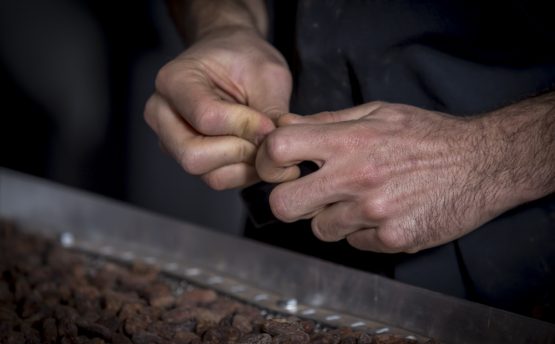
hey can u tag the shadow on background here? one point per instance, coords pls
(74, 76)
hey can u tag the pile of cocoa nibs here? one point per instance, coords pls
(50, 294)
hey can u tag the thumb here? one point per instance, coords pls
(273, 106)
(349, 114)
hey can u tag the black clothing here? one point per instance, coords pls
(458, 57)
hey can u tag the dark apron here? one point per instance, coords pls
(458, 57)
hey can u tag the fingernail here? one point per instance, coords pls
(289, 118)
(263, 131)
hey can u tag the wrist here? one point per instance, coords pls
(196, 19)
(516, 146)
(226, 30)
(492, 170)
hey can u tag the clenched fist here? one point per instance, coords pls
(215, 103)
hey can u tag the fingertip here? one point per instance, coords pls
(366, 240)
(231, 177)
(249, 124)
(290, 173)
(320, 233)
(219, 118)
(279, 175)
(151, 110)
(265, 127)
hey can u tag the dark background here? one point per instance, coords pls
(74, 76)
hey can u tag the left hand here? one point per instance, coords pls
(392, 178)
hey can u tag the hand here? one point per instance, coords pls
(392, 177)
(215, 102)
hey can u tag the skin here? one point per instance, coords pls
(215, 103)
(392, 177)
(396, 178)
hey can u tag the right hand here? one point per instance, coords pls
(215, 103)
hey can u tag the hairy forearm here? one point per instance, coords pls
(196, 18)
(519, 147)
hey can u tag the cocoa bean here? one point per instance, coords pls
(49, 331)
(259, 338)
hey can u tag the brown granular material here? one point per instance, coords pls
(53, 295)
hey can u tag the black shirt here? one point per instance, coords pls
(457, 57)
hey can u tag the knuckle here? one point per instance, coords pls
(166, 78)
(376, 208)
(215, 181)
(367, 176)
(190, 161)
(205, 118)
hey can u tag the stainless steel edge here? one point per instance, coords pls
(39, 204)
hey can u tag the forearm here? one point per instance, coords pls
(196, 18)
(519, 151)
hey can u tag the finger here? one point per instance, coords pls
(289, 118)
(231, 176)
(271, 92)
(202, 154)
(286, 147)
(151, 111)
(304, 198)
(349, 114)
(198, 102)
(197, 154)
(338, 220)
(271, 174)
(370, 240)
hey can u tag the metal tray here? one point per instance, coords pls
(267, 276)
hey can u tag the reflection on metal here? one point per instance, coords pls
(127, 255)
(359, 324)
(289, 305)
(66, 239)
(333, 317)
(321, 290)
(192, 272)
(260, 297)
(237, 289)
(308, 311)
